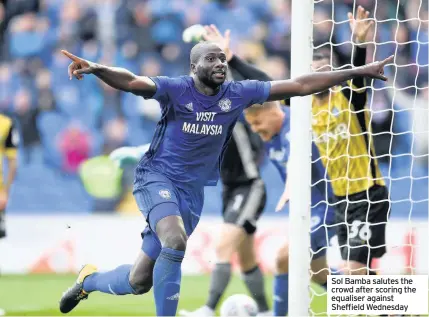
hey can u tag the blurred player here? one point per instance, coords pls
(8, 152)
(198, 115)
(129, 156)
(362, 199)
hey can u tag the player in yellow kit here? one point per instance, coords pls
(8, 152)
(342, 133)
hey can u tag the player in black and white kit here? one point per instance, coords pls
(244, 194)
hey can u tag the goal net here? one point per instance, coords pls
(371, 136)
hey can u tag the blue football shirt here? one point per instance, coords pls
(194, 128)
(278, 150)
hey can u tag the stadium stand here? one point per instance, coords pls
(62, 123)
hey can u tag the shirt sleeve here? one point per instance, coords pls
(255, 91)
(166, 89)
(356, 89)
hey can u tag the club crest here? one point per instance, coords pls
(165, 193)
(225, 105)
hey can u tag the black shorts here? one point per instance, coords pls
(366, 215)
(243, 204)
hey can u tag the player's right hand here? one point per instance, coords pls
(79, 66)
(213, 35)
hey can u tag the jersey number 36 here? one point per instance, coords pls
(361, 229)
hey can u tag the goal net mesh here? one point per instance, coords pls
(396, 143)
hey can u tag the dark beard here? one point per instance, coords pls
(206, 78)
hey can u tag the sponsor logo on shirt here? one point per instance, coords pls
(203, 128)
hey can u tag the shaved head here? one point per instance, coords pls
(200, 49)
(208, 66)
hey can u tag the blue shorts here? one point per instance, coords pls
(158, 198)
(321, 229)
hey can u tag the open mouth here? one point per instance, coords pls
(219, 75)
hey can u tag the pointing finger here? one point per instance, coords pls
(388, 60)
(71, 56)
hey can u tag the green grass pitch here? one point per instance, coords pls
(38, 295)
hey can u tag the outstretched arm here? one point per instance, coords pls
(250, 72)
(321, 81)
(122, 79)
(118, 78)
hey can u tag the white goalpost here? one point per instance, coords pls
(300, 162)
(398, 109)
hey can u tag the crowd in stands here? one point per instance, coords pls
(64, 123)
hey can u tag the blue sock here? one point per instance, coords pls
(333, 272)
(281, 294)
(167, 275)
(114, 282)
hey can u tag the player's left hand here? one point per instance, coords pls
(376, 69)
(213, 35)
(360, 25)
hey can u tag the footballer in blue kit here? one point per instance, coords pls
(198, 115)
(278, 149)
(169, 173)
